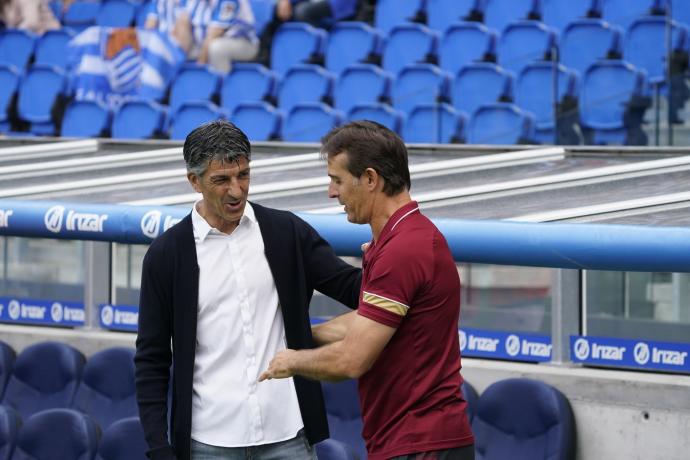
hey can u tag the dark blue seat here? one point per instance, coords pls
(344, 415)
(16, 47)
(469, 394)
(309, 122)
(260, 121)
(247, 82)
(524, 42)
(7, 358)
(478, 84)
(392, 13)
(500, 123)
(642, 45)
(331, 449)
(296, 43)
(57, 434)
(409, 44)
(420, 84)
(559, 13)
(107, 392)
(86, 119)
(10, 422)
(139, 119)
(523, 419)
(305, 83)
(123, 440)
(587, 40)
(435, 123)
(263, 13)
(625, 12)
(193, 83)
(116, 13)
(351, 43)
(499, 13)
(9, 82)
(45, 376)
(190, 115)
(39, 91)
(81, 14)
(380, 113)
(465, 43)
(51, 48)
(361, 84)
(441, 14)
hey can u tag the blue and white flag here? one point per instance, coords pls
(113, 65)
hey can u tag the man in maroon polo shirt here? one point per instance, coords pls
(402, 342)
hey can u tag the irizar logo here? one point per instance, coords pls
(107, 315)
(581, 349)
(658, 355)
(5, 217)
(513, 345)
(56, 312)
(482, 343)
(75, 221)
(463, 340)
(53, 218)
(151, 223)
(641, 353)
(14, 309)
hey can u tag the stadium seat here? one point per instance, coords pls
(500, 123)
(190, 115)
(247, 82)
(39, 92)
(9, 82)
(81, 14)
(305, 83)
(296, 43)
(116, 13)
(7, 358)
(344, 415)
(351, 43)
(260, 121)
(194, 83)
(86, 119)
(45, 376)
(419, 84)
(478, 84)
(392, 13)
(380, 113)
(523, 419)
(123, 440)
(624, 12)
(263, 13)
(57, 434)
(587, 40)
(499, 13)
(642, 45)
(10, 423)
(524, 42)
(469, 394)
(330, 449)
(142, 13)
(559, 13)
(464, 43)
(106, 392)
(16, 47)
(435, 123)
(51, 48)
(441, 14)
(680, 14)
(362, 84)
(309, 122)
(139, 119)
(409, 44)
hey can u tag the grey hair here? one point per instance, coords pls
(216, 140)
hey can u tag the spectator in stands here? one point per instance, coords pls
(215, 32)
(230, 285)
(33, 15)
(402, 342)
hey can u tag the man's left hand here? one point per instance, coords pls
(279, 367)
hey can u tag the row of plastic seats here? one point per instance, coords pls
(18, 47)
(81, 14)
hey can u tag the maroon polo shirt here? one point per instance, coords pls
(410, 398)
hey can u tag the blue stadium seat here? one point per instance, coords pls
(409, 44)
(123, 440)
(86, 119)
(139, 119)
(680, 14)
(469, 394)
(9, 82)
(344, 415)
(523, 419)
(142, 13)
(247, 82)
(51, 48)
(351, 43)
(419, 84)
(57, 434)
(441, 14)
(16, 47)
(45, 376)
(330, 449)
(39, 91)
(305, 83)
(478, 84)
(435, 123)
(559, 13)
(500, 123)
(624, 12)
(534, 93)
(260, 121)
(190, 115)
(296, 43)
(362, 84)
(10, 422)
(193, 83)
(499, 13)
(81, 14)
(380, 113)
(524, 42)
(607, 89)
(642, 45)
(465, 43)
(263, 13)
(391, 13)
(107, 392)
(7, 358)
(116, 13)
(587, 40)
(309, 122)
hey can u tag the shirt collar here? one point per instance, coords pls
(202, 228)
(398, 216)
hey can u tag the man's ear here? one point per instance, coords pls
(372, 179)
(195, 181)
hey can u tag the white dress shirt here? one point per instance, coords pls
(239, 330)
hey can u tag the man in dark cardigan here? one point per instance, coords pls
(222, 292)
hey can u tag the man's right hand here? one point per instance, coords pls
(284, 10)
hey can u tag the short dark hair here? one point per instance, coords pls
(371, 145)
(215, 140)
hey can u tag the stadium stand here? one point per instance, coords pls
(419, 84)
(499, 13)
(190, 115)
(380, 113)
(296, 43)
(16, 47)
(263, 13)
(524, 42)
(585, 41)
(480, 83)
(86, 119)
(7, 358)
(305, 83)
(409, 44)
(40, 94)
(259, 120)
(194, 83)
(362, 84)
(330, 449)
(352, 43)
(123, 440)
(559, 13)
(309, 122)
(81, 14)
(392, 13)
(441, 14)
(139, 119)
(9, 427)
(435, 123)
(344, 415)
(247, 82)
(9, 82)
(51, 48)
(116, 13)
(464, 43)
(501, 123)
(624, 12)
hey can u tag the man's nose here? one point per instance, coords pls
(332, 193)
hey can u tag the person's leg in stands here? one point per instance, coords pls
(223, 51)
